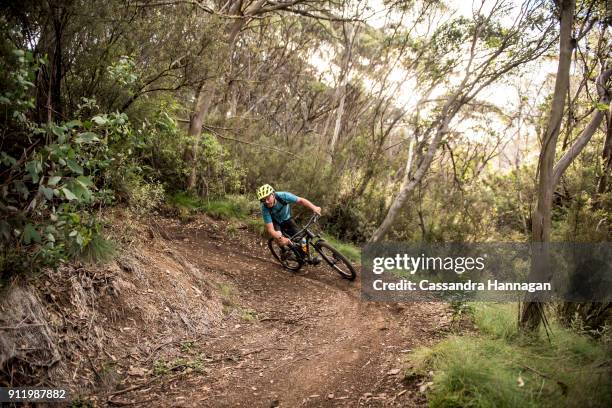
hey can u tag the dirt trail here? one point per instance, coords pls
(305, 339)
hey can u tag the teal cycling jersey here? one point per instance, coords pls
(279, 213)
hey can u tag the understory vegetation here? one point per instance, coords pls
(497, 366)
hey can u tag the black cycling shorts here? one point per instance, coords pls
(288, 227)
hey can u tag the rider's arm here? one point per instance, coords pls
(306, 203)
(272, 232)
(277, 235)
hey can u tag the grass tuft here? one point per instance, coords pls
(249, 315)
(256, 225)
(98, 250)
(230, 207)
(352, 252)
(501, 368)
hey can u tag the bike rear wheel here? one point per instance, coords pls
(336, 260)
(291, 262)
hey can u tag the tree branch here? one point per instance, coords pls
(587, 133)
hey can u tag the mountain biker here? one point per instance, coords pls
(276, 212)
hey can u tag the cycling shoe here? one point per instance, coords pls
(316, 260)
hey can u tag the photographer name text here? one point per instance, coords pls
(467, 286)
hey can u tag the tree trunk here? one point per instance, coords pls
(541, 220)
(603, 184)
(207, 89)
(201, 107)
(49, 76)
(338, 127)
(56, 70)
(588, 132)
(408, 183)
(340, 94)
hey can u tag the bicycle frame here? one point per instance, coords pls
(329, 254)
(309, 235)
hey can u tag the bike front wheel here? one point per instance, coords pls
(336, 260)
(287, 258)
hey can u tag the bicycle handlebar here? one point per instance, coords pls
(314, 218)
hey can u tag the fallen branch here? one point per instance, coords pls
(139, 386)
(23, 326)
(561, 384)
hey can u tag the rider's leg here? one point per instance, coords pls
(290, 228)
(284, 248)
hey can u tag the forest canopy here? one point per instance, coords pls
(407, 120)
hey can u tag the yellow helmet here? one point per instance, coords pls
(264, 191)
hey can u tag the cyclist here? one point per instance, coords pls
(276, 213)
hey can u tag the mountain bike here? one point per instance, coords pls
(300, 251)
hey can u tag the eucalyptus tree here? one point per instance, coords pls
(465, 56)
(551, 169)
(364, 60)
(45, 28)
(233, 19)
(114, 52)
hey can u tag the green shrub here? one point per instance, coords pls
(256, 225)
(182, 199)
(145, 196)
(98, 250)
(230, 207)
(500, 368)
(59, 176)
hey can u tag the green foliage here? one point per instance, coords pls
(497, 321)
(589, 318)
(70, 167)
(187, 346)
(162, 147)
(460, 309)
(256, 225)
(227, 292)
(500, 368)
(17, 74)
(99, 249)
(122, 71)
(184, 199)
(219, 174)
(145, 196)
(351, 220)
(59, 173)
(231, 207)
(160, 367)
